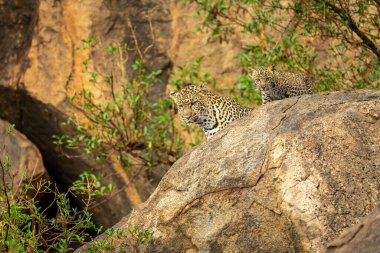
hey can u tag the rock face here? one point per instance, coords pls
(25, 158)
(287, 178)
(363, 237)
(38, 54)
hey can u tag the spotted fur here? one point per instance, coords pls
(211, 112)
(276, 85)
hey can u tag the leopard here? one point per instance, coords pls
(206, 109)
(276, 85)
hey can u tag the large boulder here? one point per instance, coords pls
(25, 159)
(287, 178)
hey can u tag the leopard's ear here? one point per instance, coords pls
(173, 95)
(252, 71)
(203, 87)
(186, 84)
(272, 68)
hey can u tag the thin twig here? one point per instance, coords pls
(137, 47)
(351, 24)
(8, 205)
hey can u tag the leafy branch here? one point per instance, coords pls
(347, 19)
(285, 34)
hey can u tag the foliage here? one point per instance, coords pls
(89, 186)
(127, 124)
(284, 33)
(131, 240)
(26, 225)
(191, 73)
(143, 236)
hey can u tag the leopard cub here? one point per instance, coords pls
(276, 85)
(208, 110)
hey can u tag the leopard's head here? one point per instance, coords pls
(191, 103)
(262, 76)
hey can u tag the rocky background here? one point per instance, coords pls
(38, 56)
(310, 166)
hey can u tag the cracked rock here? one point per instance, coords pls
(264, 186)
(364, 237)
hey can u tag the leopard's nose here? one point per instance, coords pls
(187, 115)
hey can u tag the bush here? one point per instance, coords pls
(121, 240)
(138, 132)
(28, 226)
(284, 33)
